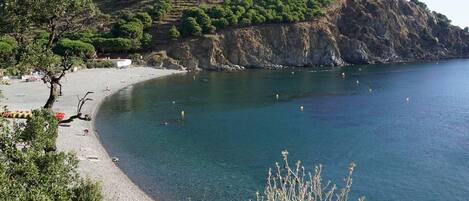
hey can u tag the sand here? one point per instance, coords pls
(94, 162)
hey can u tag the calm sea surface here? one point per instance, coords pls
(234, 130)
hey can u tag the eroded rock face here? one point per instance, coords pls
(355, 32)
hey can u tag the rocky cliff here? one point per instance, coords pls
(354, 32)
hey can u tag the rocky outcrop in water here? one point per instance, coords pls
(354, 32)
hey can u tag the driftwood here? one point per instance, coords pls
(79, 115)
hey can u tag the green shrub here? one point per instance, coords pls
(9, 40)
(6, 49)
(216, 12)
(146, 40)
(419, 3)
(127, 16)
(114, 44)
(245, 22)
(190, 27)
(158, 15)
(160, 9)
(74, 48)
(100, 64)
(221, 23)
(445, 20)
(232, 20)
(42, 35)
(145, 18)
(201, 18)
(131, 30)
(6, 54)
(86, 35)
(173, 33)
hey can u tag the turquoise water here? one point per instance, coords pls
(235, 129)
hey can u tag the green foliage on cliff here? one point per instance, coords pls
(443, 19)
(160, 9)
(32, 169)
(201, 19)
(190, 27)
(173, 33)
(145, 19)
(248, 12)
(419, 3)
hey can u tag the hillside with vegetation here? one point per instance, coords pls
(350, 32)
(138, 28)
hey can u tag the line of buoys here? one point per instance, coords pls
(27, 115)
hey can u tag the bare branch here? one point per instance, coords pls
(81, 102)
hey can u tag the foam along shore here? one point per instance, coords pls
(94, 160)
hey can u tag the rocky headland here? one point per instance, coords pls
(353, 32)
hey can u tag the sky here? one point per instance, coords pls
(456, 10)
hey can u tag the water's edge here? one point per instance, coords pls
(92, 124)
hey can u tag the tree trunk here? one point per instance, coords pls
(54, 93)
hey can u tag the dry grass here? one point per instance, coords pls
(295, 184)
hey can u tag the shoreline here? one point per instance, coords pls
(32, 95)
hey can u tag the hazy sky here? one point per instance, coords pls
(456, 10)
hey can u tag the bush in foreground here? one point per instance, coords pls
(296, 184)
(32, 169)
